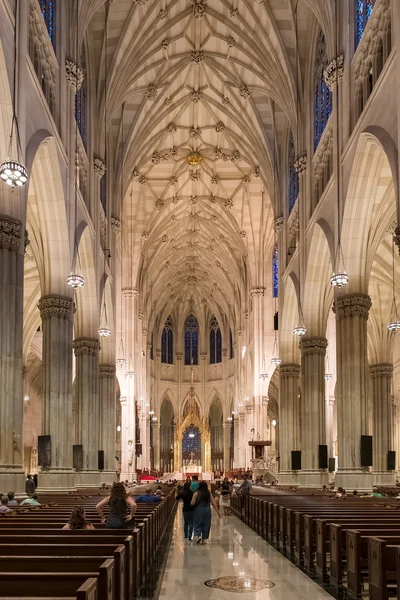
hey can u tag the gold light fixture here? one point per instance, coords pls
(194, 159)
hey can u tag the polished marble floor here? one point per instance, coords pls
(233, 551)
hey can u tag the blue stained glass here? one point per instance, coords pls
(48, 13)
(215, 342)
(167, 340)
(363, 10)
(191, 341)
(293, 175)
(275, 271)
(212, 347)
(191, 444)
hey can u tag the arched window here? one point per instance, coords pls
(167, 343)
(191, 441)
(48, 8)
(293, 175)
(323, 97)
(363, 10)
(275, 272)
(215, 342)
(191, 341)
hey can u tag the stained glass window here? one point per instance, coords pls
(48, 12)
(275, 272)
(293, 175)
(363, 9)
(167, 342)
(323, 96)
(215, 342)
(231, 350)
(191, 441)
(191, 341)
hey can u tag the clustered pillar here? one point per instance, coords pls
(382, 418)
(289, 421)
(107, 420)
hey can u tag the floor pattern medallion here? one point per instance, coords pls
(239, 584)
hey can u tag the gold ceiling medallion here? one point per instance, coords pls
(194, 159)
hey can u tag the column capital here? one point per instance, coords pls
(278, 223)
(130, 292)
(123, 401)
(300, 164)
(140, 315)
(249, 409)
(381, 370)
(107, 371)
(74, 75)
(239, 331)
(86, 346)
(158, 353)
(203, 355)
(116, 225)
(179, 355)
(257, 291)
(149, 347)
(57, 306)
(353, 305)
(334, 71)
(316, 345)
(99, 167)
(289, 370)
(10, 233)
(224, 352)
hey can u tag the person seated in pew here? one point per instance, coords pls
(122, 508)
(77, 519)
(148, 497)
(31, 501)
(376, 493)
(4, 506)
(12, 501)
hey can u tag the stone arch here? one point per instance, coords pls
(86, 299)
(369, 206)
(318, 293)
(288, 348)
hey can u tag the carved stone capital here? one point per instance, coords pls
(130, 292)
(396, 237)
(257, 291)
(334, 72)
(99, 167)
(381, 370)
(300, 164)
(86, 346)
(74, 75)
(158, 352)
(107, 371)
(60, 307)
(203, 355)
(116, 225)
(144, 332)
(10, 233)
(140, 315)
(289, 370)
(224, 352)
(353, 305)
(179, 356)
(123, 401)
(317, 345)
(249, 410)
(278, 223)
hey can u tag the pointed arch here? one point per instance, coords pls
(215, 340)
(191, 340)
(167, 342)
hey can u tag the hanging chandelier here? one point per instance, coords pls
(75, 280)
(121, 361)
(300, 328)
(275, 360)
(339, 275)
(394, 323)
(191, 434)
(104, 330)
(328, 376)
(130, 373)
(263, 374)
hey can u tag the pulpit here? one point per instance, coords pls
(259, 460)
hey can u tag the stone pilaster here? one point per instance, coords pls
(107, 420)
(156, 444)
(227, 444)
(352, 388)
(313, 419)
(289, 420)
(11, 323)
(382, 422)
(88, 409)
(57, 314)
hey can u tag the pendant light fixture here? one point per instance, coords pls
(104, 330)
(75, 279)
(339, 276)
(12, 170)
(328, 374)
(263, 374)
(275, 360)
(394, 323)
(300, 328)
(130, 374)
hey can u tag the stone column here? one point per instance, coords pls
(289, 421)
(11, 324)
(108, 429)
(352, 388)
(382, 422)
(227, 442)
(249, 434)
(236, 441)
(126, 456)
(313, 417)
(156, 444)
(57, 313)
(88, 409)
(242, 442)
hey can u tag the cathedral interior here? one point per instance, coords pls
(199, 240)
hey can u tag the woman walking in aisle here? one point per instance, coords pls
(186, 496)
(120, 505)
(202, 501)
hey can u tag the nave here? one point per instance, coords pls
(234, 551)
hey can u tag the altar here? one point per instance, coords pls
(192, 469)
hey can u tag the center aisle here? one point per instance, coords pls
(234, 557)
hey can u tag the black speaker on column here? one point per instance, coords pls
(100, 460)
(44, 450)
(332, 465)
(322, 456)
(366, 450)
(77, 457)
(391, 460)
(296, 460)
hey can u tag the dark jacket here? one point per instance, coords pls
(186, 497)
(29, 486)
